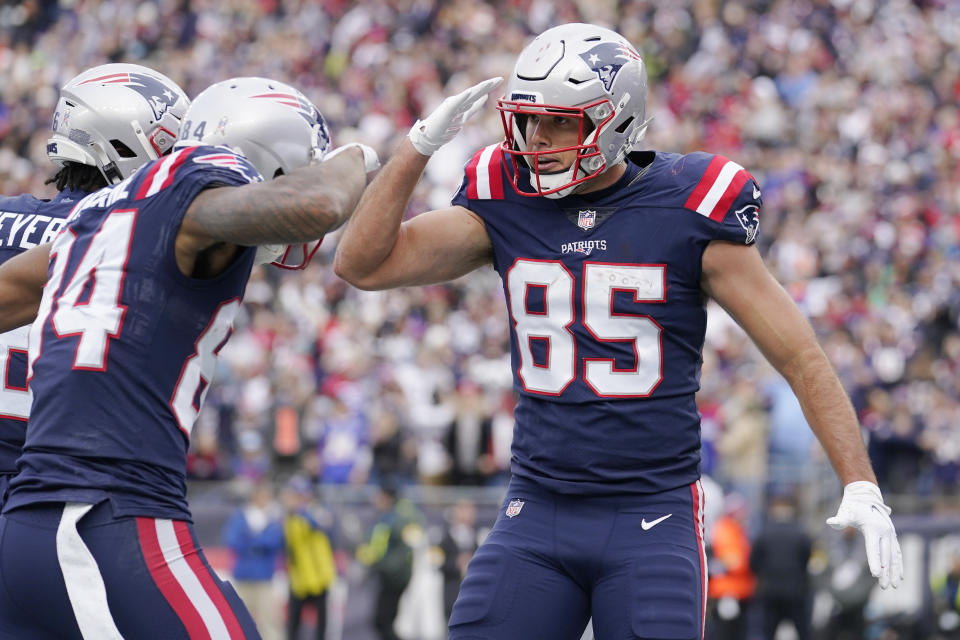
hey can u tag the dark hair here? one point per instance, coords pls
(81, 177)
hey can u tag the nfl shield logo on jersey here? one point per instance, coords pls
(587, 219)
(513, 509)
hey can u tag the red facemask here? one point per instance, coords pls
(589, 162)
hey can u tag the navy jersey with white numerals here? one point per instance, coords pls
(25, 222)
(607, 314)
(124, 346)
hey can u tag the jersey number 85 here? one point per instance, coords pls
(600, 281)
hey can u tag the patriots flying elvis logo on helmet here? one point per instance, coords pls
(607, 58)
(157, 94)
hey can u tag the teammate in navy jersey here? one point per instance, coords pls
(107, 124)
(606, 256)
(144, 283)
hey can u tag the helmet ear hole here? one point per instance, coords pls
(278, 172)
(624, 125)
(122, 150)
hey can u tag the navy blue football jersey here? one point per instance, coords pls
(607, 314)
(124, 346)
(25, 222)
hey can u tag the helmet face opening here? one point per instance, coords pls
(588, 163)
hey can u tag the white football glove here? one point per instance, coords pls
(445, 122)
(371, 161)
(862, 507)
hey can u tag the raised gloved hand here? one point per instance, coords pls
(445, 122)
(371, 161)
(862, 507)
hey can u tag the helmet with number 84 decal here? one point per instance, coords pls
(274, 126)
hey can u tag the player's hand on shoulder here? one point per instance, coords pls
(445, 122)
(862, 507)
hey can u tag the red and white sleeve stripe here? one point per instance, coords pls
(718, 188)
(160, 175)
(485, 174)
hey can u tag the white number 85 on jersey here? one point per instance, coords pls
(600, 281)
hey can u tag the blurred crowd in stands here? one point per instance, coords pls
(844, 110)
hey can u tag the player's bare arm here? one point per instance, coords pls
(376, 251)
(736, 277)
(21, 286)
(300, 206)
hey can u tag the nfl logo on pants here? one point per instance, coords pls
(514, 507)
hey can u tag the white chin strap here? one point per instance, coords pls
(552, 181)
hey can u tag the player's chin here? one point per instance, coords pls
(551, 168)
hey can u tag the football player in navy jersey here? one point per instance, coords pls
(607, 256)
(109, 121)
(144, 282)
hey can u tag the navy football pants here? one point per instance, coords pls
(72, 571)
(635, 564)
